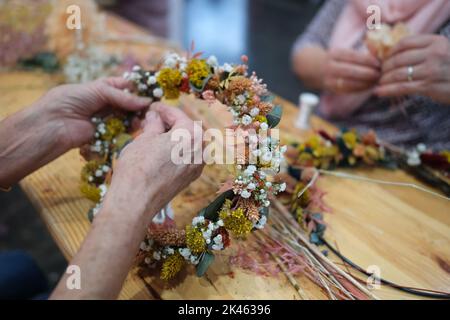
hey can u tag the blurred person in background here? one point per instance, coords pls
(151, 14)
(404, 98)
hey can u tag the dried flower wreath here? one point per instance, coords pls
(345, 149)
(244, 206)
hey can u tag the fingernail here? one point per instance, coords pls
(145, 100)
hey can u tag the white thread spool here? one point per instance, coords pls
(307, 103)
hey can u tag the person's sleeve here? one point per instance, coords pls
(319, 30)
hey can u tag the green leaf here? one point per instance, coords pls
(122, 140)
(212, 210)
(268, 98)
(204, 263)
(199, 90)
(264, 211)
(90, 215)
(274, 117)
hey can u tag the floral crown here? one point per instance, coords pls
(243, 206)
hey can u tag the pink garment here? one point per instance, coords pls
(421, 16)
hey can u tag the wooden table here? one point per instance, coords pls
(406, 233)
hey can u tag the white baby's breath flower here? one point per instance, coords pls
(251, 186)
(227, 67)
(261, 223)
(246, 120)
(212, 61)
(151, 80)
(158, 92)
(245, 194)
(282, 187)
(142, 87)
(157, 255)
(267, 157)
(254, 112)
(264, 126)
(251, 169)
(185, 252)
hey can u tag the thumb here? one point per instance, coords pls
(153, 124)
(121, 99)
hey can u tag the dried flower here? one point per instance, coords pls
(114, 126)
(171, 266)
(170, 80)
(350, 138)
(90, 191)
(265, 108)
(209, 96)
(236, 221)
(213, 83)
(168, 237)
(250, 208)
(198, 71)
(239, 85)
(194, 240)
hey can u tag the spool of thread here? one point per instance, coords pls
(307, 103)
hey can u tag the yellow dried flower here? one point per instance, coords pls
(299, 215)
(194, 240)
(89, 169)
(236, 221)
(350, 138)
(198, 71)
(90, 191)
(446, 154)
(170, 80)
(114, 126)
(171, 266)
(261, 119)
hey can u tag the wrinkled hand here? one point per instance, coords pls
(429, 55)
(348, 71)
(145, 175)
(72, 106)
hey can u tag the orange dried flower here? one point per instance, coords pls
(265, 108)
(250, 209)
(168, 237)
(238, 85)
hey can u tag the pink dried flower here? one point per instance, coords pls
(257, 86)
(209, 96)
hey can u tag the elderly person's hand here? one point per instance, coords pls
(145, 179)
(418, 65)
(349, 71)
(73, 105)
(58, 121)
(146, 175)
